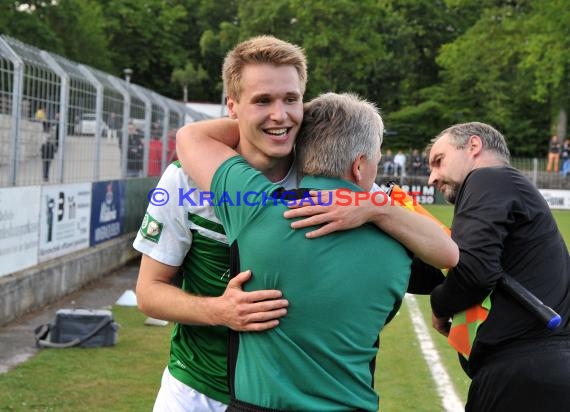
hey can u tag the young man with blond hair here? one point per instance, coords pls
(270, 75)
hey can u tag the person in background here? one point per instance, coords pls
(416, 163)
(135, 151)
(41, 116)
(400, 164)
(553, 154)
(388, 162)
(114, 125)
(47, 150)
(565, 158)
(154, 156)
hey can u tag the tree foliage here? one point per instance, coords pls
(425, 63)
(508, 69)
(73, 28)
(188, 76)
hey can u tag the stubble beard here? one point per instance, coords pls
(450, 192)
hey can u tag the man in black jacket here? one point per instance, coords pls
(502, 225)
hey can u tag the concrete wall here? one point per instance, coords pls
(40, 285)
(31, 139)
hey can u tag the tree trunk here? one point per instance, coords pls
(185, 92)
(561, 124)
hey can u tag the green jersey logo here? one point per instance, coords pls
(151, 228)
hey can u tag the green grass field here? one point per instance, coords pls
(403, 379)
(126, 377)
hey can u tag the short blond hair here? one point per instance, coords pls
(260, 50)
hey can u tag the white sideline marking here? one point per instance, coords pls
(445, 390)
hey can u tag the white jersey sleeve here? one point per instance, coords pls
(164, 234)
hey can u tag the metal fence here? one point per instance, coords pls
(63, 122)
(416, 172)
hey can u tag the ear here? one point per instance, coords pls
(475, 145)
(231, 104)
(356, 175)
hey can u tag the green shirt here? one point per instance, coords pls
(341, 288)
(191, 237)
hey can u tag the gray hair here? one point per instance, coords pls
(336, 129)
(493, 140)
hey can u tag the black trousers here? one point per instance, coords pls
(533, 377)
(46, 164)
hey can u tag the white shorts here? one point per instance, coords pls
(174, 396)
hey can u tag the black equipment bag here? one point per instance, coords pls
(87, 328)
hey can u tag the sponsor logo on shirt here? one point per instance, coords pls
(151, 229)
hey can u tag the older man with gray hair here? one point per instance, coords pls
(322, 354)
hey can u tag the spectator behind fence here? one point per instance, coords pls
(553, 154)
(154, 156)
(42, 117)
(135, 150)
(155, 166)
(114, 125)
(55, 135)
(400, 164)
(416, 163)
(565, 158)
(48, 153)
(388, 162)
(425, 163)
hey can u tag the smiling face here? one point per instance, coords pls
(449, 166)
(269, 112)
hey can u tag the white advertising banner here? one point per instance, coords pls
(65, 213)
(19, 228)
(556, 199)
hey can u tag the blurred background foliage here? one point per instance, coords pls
(426, 63)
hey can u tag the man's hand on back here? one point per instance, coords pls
(249, 311)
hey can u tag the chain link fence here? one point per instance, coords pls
(414, 171)
(63, 122)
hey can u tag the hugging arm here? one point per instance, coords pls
(200, 154)
(202, 141)
(159, 298)
(419, 234)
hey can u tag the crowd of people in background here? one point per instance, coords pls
(402, 164)
(414, 163)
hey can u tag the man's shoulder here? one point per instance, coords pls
(176, 189)
(495, 175)
(175, 173)
(236, 173)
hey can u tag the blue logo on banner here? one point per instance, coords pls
(107, 211)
